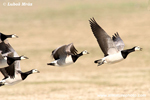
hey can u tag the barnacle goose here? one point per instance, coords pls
(65, 55)
(111, 47)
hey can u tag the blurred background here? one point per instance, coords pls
(48, 24)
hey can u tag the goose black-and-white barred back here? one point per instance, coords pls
(111, 47)
(65, 55)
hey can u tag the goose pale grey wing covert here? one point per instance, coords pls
(104, 40)
(118, 41)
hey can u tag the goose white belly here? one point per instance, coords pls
(65, 61)
(12, 81)
(113, 58)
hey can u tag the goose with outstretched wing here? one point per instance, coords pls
(111, 47)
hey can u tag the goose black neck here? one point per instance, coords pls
(3, 36)
(126, 52)
(25, 74)
(75, 57)
(10, 60)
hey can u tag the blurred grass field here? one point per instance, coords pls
(51, 23)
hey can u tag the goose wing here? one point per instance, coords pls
(5, 47)
(11, 70)
(63, 51)
(7, 50)
(104, 40)
(118, 41)
(59, 52)
(16, 64)
(3, 62)
(70, 49)
(4, 73)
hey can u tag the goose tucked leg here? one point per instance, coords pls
(100, 62)
(2, 83)
(54, 63)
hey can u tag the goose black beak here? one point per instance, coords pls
(26, 57)
(141, 49)
(17, 36)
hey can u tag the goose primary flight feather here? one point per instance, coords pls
(111, 47)
(65, 55)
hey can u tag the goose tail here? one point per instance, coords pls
(52, 64)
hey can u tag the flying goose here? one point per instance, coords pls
(10, 65)
(13, 73)
(111, 47)
(19, 76)
(65, 55)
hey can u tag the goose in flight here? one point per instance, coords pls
(65, 55)
(13, 73)
(111, 47)
(19, 76)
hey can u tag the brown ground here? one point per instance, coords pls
(51, 23)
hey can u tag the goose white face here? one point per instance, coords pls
(14, 36)
(5, 58)
(84, 52)
(137, 48)
(35, 71)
